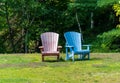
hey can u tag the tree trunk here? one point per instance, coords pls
(26, 41)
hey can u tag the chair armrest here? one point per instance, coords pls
(69, 46)
(88, 46)
(59, 47)
(41, 48)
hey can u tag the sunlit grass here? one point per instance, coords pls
(28, 68)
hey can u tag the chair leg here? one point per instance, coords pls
(72, 54)
(73, 58)
(79, 56)
(83, 57)
(88, 56)
(58, 57)
(66, 58)
(42, 58)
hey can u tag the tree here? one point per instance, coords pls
(19, 17)
(116, 8)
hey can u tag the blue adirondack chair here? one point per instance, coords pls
(74, 46)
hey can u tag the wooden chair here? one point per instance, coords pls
(50, 45)
(74, 46)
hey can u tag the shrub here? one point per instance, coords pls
(108, 41)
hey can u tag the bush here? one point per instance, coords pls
(108, 42)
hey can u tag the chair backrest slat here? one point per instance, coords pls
(49, 41)
(73, 39)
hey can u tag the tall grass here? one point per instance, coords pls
(28, 68)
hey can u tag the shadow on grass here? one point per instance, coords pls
(96, 58)
(91, 59)
(60, 60)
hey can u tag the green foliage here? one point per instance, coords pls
(22, 21)
(116, 8)
(102, 3)
(18, 19)
(108, 41)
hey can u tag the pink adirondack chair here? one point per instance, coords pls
(50, 45)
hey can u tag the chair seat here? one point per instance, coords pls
(82, 52)
(50, 52)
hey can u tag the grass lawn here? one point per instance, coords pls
(28, 68)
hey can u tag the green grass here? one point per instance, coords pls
(28, 68)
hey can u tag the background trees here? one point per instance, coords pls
(22, 21)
